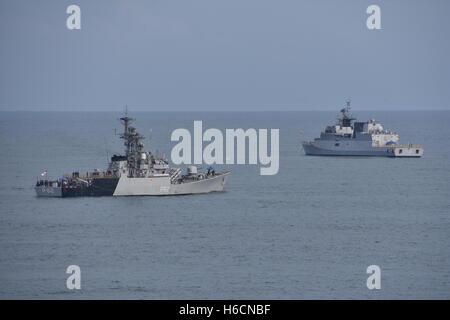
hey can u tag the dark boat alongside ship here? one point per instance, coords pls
(135, 173)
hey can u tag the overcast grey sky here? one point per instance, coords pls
(224, 55)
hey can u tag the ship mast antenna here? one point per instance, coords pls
(106, 150)
(126, 120)
(348, 102)
(346, 118)
(133, 145)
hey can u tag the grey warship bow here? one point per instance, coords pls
(135, 173)
(351, 138)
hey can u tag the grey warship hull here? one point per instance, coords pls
(313, 150)
(162, 186)
(361, 145)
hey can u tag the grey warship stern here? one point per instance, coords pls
(137, 173)
(352, 138)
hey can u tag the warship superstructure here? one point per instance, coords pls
(136, 173)
(352, 138)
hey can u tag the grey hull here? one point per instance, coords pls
(162, 186)
(313, 150)
(214, 184)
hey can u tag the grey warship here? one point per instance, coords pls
(137, 173)
(352, 138)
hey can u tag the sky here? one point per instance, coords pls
(224, 55)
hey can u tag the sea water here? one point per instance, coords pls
(308, 232)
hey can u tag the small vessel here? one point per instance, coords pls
(351, 138)
(137, 173)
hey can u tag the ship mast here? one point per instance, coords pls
(133, 145)
(126, 123)
(346, 119)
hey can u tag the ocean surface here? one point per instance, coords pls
(308, 232)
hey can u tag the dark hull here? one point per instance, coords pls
(96, 188)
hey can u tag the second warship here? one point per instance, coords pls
(137, 173)
(348, 138)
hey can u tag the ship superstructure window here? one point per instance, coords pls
(400, 151)
(417, 151)
(336, 144)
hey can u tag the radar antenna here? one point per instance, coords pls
(346, 118)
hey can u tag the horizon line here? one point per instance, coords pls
(200, 110)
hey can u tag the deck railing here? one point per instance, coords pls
(90, 176)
